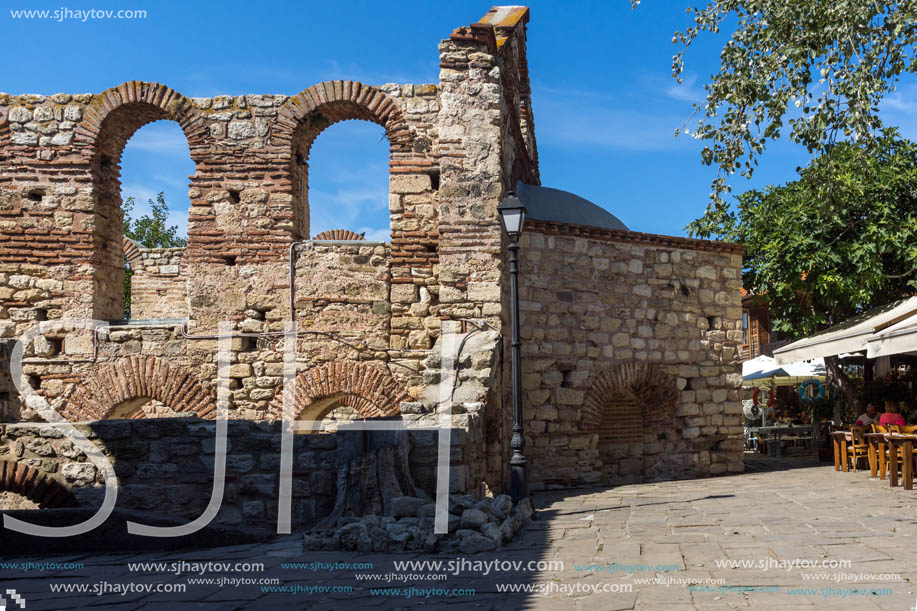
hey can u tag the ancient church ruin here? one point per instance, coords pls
(629, 339)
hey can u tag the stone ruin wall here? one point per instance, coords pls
(370, 315)
(654, 320)
(158, 289)
(357, 305)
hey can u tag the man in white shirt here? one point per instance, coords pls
(867, 417)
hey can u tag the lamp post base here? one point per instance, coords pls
(518, 479)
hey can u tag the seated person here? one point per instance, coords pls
(891, 415)
(868, 417)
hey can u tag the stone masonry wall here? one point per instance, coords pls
(158, 288)
(166, 467)
(60, 187)
(594, 305)
(342, 290)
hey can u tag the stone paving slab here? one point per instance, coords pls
(810, 513)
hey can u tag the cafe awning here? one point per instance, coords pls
(900, 338)
(852, 335)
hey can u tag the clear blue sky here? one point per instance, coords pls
(605, 103)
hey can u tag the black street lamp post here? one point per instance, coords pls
(512, 214)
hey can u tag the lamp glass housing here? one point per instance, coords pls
(512, 214)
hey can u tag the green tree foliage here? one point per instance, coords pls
(839, 240)
(149, 231)
(814, 70)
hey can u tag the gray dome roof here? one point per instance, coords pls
(554, 205)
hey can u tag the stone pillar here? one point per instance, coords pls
(472, 181)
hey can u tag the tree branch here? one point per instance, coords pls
(898, 276)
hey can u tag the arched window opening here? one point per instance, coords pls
(322, 394)
(155, 168)
(138, 387)
(341, 179)
(628, 401)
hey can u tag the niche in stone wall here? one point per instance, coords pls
(138, 387)
(339, 392)
(26, 487)
(142, 407)
(631, 407)
(622, 419)
(338, 415)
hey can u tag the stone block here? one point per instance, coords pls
(79, 474)
(259, 484)
(484, 291)
(409, 183)
(404, 293)
(546, 412)
(240, 370)
(253, 509)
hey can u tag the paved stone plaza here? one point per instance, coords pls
(805, 512)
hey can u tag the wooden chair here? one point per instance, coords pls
(858, 447)
(907, 429)
(894, 428)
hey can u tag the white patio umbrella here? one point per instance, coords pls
(764, 367)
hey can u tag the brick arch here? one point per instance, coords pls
(324, 104)
(339, 234)
(306, 115)
(113, 384)
(654, 390)
(370, 391)
(40, 488)
(115, 114)
(131, 252)
(107, 124)
(5, 134)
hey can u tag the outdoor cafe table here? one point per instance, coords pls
(840, 439)
(894, 441)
